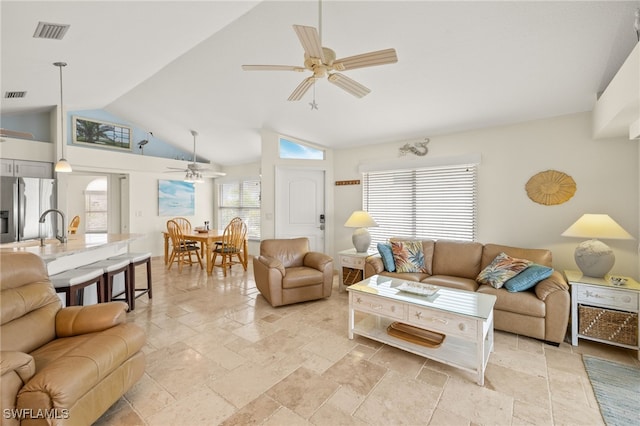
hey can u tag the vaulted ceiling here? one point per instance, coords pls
(172, 66)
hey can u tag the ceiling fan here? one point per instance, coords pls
(321, 61)
(194, 171)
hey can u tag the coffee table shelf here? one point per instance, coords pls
(375, 303)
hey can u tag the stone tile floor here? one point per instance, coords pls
(218, 353)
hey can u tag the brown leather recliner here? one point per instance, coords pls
(288, 272)
(62, 366)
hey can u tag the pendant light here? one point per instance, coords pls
(62, 166)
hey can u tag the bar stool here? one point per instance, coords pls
(74, 281)
(136, 259)
(111, 268)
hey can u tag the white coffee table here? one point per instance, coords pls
(464, 317)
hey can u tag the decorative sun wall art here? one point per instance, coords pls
(550, 187)
(176, 198)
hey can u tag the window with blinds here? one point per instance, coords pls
(240, 199)
(436, 202)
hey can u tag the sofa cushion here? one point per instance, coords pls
(452, 282)
(302, 277)
(528, 278)
(457, 258)
(408, 256)
(501, 269)
(539, 256)
(386, 253)
(523, 303)
(406, 276)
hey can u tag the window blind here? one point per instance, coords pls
(240, 199)
(435, 202)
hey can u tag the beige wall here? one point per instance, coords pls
(605, 171)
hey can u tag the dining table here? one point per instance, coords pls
(207, 240)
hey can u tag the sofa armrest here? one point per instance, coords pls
(373, 265)
(19, 362)
(316, 260)
(76, 320)
(555, 282)
(271, 262)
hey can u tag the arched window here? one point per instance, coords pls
(95, 206)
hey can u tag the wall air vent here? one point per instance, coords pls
(13, 95)
(50, 31)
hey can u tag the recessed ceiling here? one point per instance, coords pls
(169, 67)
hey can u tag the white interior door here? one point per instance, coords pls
(299, 205)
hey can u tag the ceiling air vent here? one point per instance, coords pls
(50, 31)
(13, 95)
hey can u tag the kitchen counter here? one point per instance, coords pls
(80, 249)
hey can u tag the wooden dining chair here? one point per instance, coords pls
(73, 225)
(181, 251)
(232, 244)
(185, 226)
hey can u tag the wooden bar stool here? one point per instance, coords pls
(136, 259)
(111, 268)
(74, 281)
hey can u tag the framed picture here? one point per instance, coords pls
(101, 134)
(176, 198)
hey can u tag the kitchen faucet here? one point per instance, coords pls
(62, 238)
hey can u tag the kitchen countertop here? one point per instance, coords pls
(77, 243)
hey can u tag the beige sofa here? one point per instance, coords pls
(60, 366)
(541, 312)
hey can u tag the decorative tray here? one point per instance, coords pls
(419, 336)
(201, 230)
(417, 288)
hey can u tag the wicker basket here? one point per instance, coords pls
(607, 324)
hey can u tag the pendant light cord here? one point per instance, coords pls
(60, 65)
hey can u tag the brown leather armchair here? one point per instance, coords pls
(62, 366)
(287, 272)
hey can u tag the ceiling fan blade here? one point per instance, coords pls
(302, 89)
(379, 57)
(272, 68)
(349, 85)
(310, 41)
(215, 174)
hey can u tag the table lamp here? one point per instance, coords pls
(361, 238)
(593, 257)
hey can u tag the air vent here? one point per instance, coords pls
(50, 31)
(13, 95)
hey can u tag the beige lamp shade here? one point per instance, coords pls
(593, 257)
(361, 238)
(360, 219)
(597, 226)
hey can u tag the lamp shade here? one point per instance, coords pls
(597, 226)
(360, 219)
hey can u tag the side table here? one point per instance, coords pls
(604, 312)
(351, 267)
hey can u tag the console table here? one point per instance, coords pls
(464, 317)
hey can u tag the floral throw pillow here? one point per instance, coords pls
(408, 256)
(502, 268)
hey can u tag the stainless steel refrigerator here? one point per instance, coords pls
(22, 200)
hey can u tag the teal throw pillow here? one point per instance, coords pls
(387, 256)
(528, 278)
